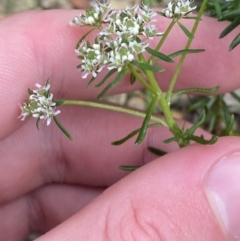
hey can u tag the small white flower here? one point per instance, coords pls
(25, 112)
(178, 8)
(41, 89)
(168, 13)
(92, 57)
(122, 35)
(120, 57)
(93, 17)
(90, 20)
(101, 7)
(130, 57)
(147, 13)
(48, 114)
(137, 47)
(118, 22)
(96, 46)
(40, 104)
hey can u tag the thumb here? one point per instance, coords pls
(190, 194)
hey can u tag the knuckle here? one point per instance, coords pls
(130, 223)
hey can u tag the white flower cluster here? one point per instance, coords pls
(94, 15)
(123, 34)
(178, 8)
(40, 104)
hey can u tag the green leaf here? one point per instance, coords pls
(211, 101)
(178, 134)
(137, 39)
(159, 55)
(30, 92)
(203, 141)
(199, 103)
(132, 78)
(37, 123)
(160, 13)
(225, 109)
(218, 9)
(83, 37)
(235, 42)
(224, 6)
(194, 18)
(59, 102)
(235, 96)
(133, 133)
(113, 83)
(186, 51)
(185, 30)
(229, 126)
(147, 118)
(108, 49)
(230, 27)
(129, 168)
(197, 90)
(236, 4)
(62, 128)
(230, 15)
(156, 151)
(121, 141)
(90, 81)
(47, 82)
(212, 122)
(200, 121)
(171, 140)
(112, 71)
(147, 66)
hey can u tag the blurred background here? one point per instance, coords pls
(13, 6)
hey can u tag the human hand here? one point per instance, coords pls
(45, 178)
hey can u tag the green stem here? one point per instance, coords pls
(114, 108)
(151, 77)
(163, 38)
(162, 101)
(156, 91)
(180, 63)
(140, 78)
(168, 114)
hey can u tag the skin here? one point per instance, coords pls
(47, 180)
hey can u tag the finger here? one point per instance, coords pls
(190, 194)
(41, 157)
(43, 209)
(37, 45)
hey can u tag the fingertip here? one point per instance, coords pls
(164, 200)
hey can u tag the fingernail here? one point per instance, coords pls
(223, 191)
